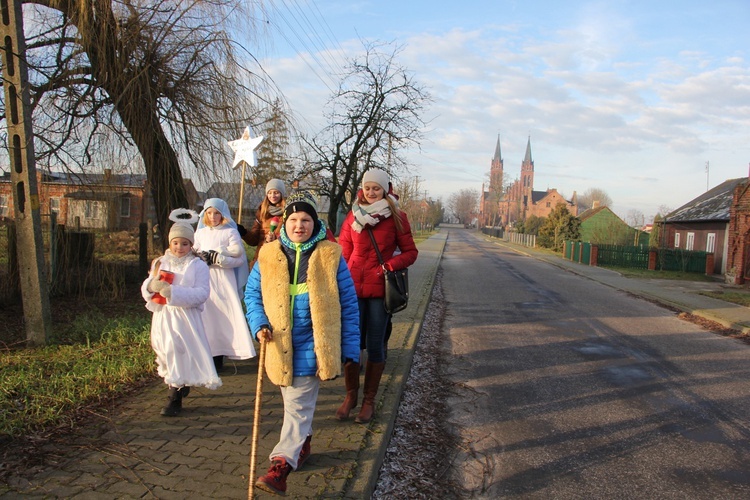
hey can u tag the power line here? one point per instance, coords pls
(307, 43)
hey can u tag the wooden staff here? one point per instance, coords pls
(256, 421)
(242, 192)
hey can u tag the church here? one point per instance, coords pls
(504, 203)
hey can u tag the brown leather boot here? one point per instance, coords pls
(373, 372)
(351, 381)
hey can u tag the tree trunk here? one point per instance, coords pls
(161, 163)
(128, 79)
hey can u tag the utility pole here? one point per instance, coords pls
(29, 246)
(706, 176)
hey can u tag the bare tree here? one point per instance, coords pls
(409, 194)
(463, 205)
(374, 116)
(495, 190)
(635, 218)
(125, 79)
(594, 197)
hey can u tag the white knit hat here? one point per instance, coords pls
(183, 219)
(276, 184)
(378, 176)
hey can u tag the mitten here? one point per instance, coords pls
(241, 229)
(156, 286)
(166, 290)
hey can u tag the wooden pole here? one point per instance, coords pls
(256, 420)
(242, 192)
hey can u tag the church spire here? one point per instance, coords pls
(527, 158)
(497, 156)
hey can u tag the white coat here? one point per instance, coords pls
(183, 356)
(223, 316)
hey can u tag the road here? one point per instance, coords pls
(566, 388)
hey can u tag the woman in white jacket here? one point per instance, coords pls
(219, 244)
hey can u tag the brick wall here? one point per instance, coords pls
(739, 235)
(50, 192)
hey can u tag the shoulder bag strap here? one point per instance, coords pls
(375, 244)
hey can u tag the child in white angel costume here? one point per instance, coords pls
(218, 242)
(175, 291)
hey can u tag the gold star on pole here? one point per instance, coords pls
(244, 148)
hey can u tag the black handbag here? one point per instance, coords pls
(396, 284)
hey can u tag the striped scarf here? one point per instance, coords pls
(369, 215)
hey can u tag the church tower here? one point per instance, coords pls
(527, 171)
(496, 170)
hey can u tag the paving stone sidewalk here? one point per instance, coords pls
(132, 452)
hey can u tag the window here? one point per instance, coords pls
(690, 241)
(54, 205)
(711, 242)
(125, 206)
(91, 210)
(549, 204)
(4, 211)
(677, 240)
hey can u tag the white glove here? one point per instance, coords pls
(161, 287)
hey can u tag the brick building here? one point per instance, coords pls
(712, 222)
(104, 201)
(738, 238)
(504, 203)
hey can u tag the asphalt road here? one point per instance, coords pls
(565, 388)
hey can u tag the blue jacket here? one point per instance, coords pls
(305, 294)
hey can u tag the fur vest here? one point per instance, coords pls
(325, 310)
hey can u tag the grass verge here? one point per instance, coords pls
(661, 275)
(741, 297)
(42, 387)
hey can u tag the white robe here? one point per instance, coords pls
(183, 356)
(223, 316)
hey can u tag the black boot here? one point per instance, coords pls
(219, 363)
(174, 404)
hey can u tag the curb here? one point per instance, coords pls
(380, 430)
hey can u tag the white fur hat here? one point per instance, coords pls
(378, 176)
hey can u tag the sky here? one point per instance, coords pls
(647, 100)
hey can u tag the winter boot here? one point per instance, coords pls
(373, 372)
(304, 453)
(219, 363)
(351, 381)
(174, 404)
(274, 481)
(184, 391)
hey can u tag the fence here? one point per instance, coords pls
(639, 257)
(527, 240)
(622, 256)
(78, 261)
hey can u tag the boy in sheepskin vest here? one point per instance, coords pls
(301, 302)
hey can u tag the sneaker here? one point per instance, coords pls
(304, 453)
(275, 479)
